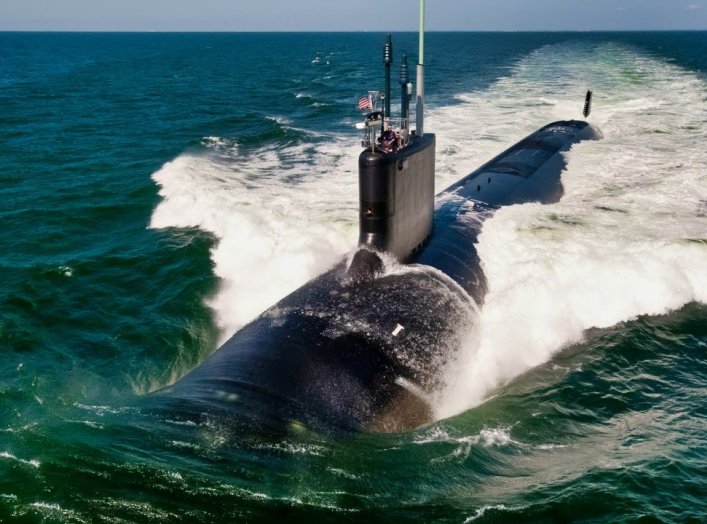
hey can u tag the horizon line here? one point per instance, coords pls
(255, 31)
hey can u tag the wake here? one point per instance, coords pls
(628, 238)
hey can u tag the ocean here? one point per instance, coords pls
(160, 190)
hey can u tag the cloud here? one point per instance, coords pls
(621, 8)
(694, 6)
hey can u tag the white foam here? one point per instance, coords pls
(483, 509)
(66, 271)
(487, 437)
(627, 239)
(56, 512)
(295, 448)
(9, 456)
(46, 506)
(461, 447)
(280, 217)
(103, 410)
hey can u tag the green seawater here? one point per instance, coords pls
(160, 190)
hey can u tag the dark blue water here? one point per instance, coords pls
(160, 190)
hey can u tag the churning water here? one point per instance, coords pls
(162, 190)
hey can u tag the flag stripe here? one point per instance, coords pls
(365, 103)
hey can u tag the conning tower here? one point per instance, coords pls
(396, 167)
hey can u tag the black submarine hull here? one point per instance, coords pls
(528, 171)
(363, 346)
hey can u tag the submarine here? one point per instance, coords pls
(364, 345)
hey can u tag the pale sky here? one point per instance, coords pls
(350, 15)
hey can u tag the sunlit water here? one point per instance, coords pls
(162, 190)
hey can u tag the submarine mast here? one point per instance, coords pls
(420, 102)
(397, 168)
(387, 60)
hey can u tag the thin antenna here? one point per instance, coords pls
(387, 60)
(404, 79)
(420, 102)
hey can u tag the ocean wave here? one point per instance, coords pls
(271, 238)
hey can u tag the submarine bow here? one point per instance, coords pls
(363, 346)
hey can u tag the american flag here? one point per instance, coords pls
(365, 102)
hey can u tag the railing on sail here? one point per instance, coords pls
(386, 137)
(381, 120)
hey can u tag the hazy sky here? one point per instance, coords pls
(350, 15)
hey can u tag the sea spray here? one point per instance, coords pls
(271, 239)
(627, 239)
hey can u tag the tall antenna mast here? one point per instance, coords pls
(387, 60)
(420, 103)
